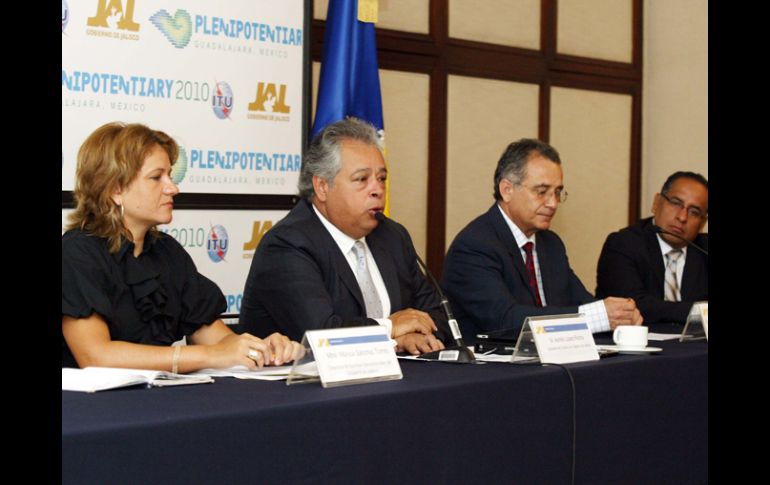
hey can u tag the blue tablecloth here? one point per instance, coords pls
(639, 419)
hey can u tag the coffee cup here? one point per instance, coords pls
(630, 337)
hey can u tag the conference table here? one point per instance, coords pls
(624, 419)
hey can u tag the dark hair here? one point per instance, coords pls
(322, 157)
(513, 163)
(687, 175)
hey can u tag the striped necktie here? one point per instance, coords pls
(672, 287)
(364, 278)
(530, 264)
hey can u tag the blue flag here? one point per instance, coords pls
(349, 84)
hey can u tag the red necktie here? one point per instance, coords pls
(530, 263)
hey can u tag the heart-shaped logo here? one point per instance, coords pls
(179, 169)
(177, 29)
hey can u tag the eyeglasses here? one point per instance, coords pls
(544, 193)
(691, 210)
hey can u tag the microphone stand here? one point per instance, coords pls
(458, 353)
(660, 230)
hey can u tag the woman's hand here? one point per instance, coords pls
(244, 349)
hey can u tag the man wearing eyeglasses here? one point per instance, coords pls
(507, 265)
(654, 261)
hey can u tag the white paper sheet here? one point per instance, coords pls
(662, 336)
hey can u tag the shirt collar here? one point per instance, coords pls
(127, 247)
(344, 242)
(665, 247)
(518, 234)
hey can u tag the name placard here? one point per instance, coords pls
(704, 316)
(563, 340)
(354, 355)
(697, 325)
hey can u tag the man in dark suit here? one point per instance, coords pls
(663, 272)
(506, 265)
(331, 263)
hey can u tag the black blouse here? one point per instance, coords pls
(154, 299)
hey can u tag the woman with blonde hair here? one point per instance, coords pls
(130, 291)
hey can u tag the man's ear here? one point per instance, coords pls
(321, 188)
(703, 222)
(505, 187)
(656, 202)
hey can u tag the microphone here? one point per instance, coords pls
(460, 352)
(660, 230)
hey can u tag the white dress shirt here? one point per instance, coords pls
(595, 312)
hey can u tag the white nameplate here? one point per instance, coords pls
(354, 355)
(704, 316)
(697, 325)
(563, 340)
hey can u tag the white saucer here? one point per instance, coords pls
(632, 350)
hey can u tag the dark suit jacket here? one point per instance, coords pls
(300, 280)
(486, 281)
(631, 265)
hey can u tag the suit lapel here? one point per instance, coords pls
(506, 236)
(693, 273)
(340, 263)
(657, 264)
(387, 268)
(544, 260)
(337, 261)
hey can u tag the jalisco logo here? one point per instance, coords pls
(222, 100)
(65, 15)
(177, 29)
(269, 99)
(179, 169)
(113, 16)
(258, 230)
(217, 243)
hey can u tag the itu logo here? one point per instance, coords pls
(217, 243)
(177, 29)
(179, 169)
(65, 15)
(222, 100)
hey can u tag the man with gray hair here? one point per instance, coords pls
(506, 265)
(330, 263)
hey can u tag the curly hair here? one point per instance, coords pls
(109, 160)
